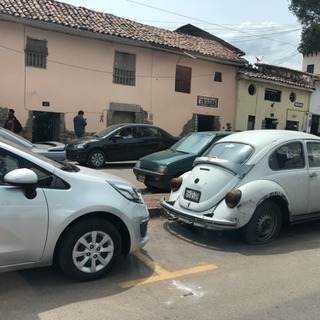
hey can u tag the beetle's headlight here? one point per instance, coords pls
(79, 146)
(163, 169)
(129, 192)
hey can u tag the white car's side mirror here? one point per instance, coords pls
(25, 178)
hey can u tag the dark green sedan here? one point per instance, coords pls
(157, 169)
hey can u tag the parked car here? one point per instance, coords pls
(119, 142)
(51, 149)
(53, 211)
(157, 169)
(253, 181)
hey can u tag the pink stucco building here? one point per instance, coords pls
(57, 59)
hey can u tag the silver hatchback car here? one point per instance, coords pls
(79, 217)
(51, 149)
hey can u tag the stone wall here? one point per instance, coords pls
(3, 116)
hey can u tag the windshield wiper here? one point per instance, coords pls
(69, 167)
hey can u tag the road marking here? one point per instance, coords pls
(162, 274)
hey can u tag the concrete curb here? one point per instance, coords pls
(152, 201)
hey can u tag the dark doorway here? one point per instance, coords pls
(269, 123)
(315, 125)
(251, 122)
(292, 125)
(46, 126)
(207, 123)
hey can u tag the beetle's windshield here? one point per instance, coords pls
(231, 151)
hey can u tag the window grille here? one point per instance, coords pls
(124, 69)
(36, 53)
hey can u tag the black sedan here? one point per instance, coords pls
(119, 142)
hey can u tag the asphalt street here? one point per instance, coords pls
(183, 273)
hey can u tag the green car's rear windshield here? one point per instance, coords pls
(193, 143)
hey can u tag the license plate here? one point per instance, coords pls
(192, 195)
(141, 178)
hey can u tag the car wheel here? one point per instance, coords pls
(96, 159)
(264, 225)
(89, 249)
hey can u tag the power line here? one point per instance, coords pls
(203, 21)
(288, 57)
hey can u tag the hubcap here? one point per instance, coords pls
(266, 226)
(97, 159)
(93, 251)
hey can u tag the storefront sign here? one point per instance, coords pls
(207, 102)
(298, 104)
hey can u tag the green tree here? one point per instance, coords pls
(308, 14)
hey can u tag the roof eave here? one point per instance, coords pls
(279, 83)
(115, 39)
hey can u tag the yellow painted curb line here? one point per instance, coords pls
(162, 274)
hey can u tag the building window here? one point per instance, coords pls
(310, 68)
(292, 97)
(124, 68)
(252, 89)
(183, 79)
(36, 53)
(272, 95)
(218, 76)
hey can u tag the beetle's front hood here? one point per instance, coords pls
(205, 187)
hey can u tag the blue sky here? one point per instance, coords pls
(265, 29)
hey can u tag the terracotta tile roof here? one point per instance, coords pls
(280, 75)
(58, 13)
(195, 31)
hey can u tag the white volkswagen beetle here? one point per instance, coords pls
(253, 181)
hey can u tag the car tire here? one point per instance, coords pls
(96, 159)
(264, 225)
(89, 249)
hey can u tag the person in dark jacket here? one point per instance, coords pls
(79, 123)
(12, 123)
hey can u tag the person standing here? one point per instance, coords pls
(79, 123)
(12, 123)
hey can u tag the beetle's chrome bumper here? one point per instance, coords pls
(199, 221)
